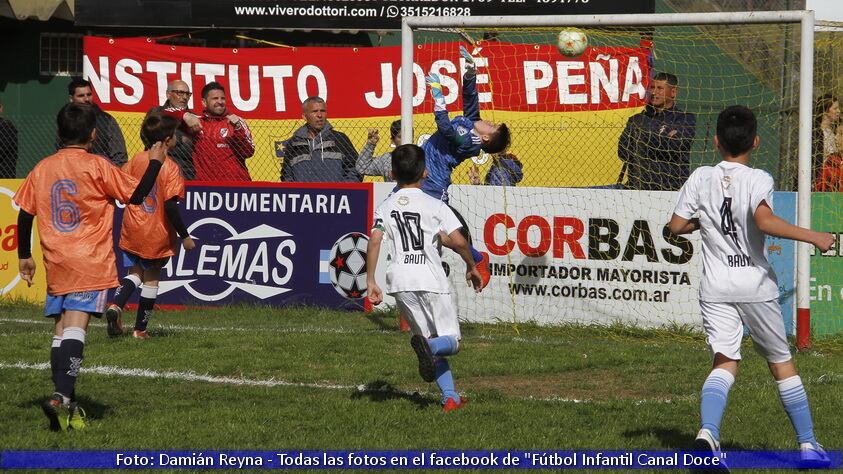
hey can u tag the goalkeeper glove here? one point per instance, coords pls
(470, 67)
(436, 91)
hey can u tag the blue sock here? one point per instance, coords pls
(443, 345)
(715, 393)
(795, 402)
(445, 380)
(475, 254)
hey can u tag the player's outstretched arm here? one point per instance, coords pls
(157, 154)
(470, 99)
(26, 265)
(679, 225)
(173, 214)
(774, 225)
(373, 250)
(458, 244)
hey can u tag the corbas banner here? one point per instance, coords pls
(263, 243)
(325, 14)
(131, 74)
(584, 256)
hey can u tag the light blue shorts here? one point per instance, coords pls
(92, 302)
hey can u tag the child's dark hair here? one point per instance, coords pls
(158, 128)
(408, 163)
(499, 141)
(736, 129)
(76, 122)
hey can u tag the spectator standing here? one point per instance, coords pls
(317, 152)
(223, 144)
(8, 147)
(655, 146)
(178, 94)
(823, 144)
(109, 142)
(368, 164)
(831, 172)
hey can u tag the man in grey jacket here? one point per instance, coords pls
(317, 152)
(109, 142)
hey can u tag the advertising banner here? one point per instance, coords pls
(827, 267)
(528, 83)
(271, 244)
(11, 284)
(331, 14)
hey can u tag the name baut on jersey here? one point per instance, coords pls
(735, 267)
(411, 221)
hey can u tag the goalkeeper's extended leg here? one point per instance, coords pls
(481, 259)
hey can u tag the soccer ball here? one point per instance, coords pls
(571, 42)
(348, 265)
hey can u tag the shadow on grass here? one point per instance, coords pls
(94, 410)
(672, 438)
(380, 391)
(384, 320)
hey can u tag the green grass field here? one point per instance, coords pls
(268, 379)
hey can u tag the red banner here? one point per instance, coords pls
(131, 74)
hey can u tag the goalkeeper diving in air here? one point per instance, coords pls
(458, 140)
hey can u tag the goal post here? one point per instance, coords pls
(611, 28)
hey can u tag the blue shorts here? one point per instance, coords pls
(92, 302)
(130, 260)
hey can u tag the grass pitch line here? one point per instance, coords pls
(193, 377)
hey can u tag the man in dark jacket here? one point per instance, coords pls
(109, 142)
(316, 152)
(178, 95)
(655, 146)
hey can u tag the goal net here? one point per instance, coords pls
(573, 215)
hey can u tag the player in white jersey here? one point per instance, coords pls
(731, 204)
(412, 221)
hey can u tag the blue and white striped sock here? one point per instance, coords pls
(795, 402)
(715, 393)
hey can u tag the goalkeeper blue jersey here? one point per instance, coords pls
(452, 143)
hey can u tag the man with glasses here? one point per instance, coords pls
(178, 96)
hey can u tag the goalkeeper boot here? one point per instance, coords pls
(706, 443)
(483, 269)
(426, 366)
(55, 412)
(813, 456)
(114, 319)
(76, 418)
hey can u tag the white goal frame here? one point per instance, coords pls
(806, 84)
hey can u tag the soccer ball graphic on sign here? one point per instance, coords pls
(572, 42)
(348, 265)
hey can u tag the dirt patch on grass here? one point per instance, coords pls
(587, 384)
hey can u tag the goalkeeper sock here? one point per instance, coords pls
(123, 292)
(443, 345)
(715, 393)
(145, 305)
(795, 401)
(477, 256)
(445, 380)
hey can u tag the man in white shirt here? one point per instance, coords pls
(733, 205)
(412, 221)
